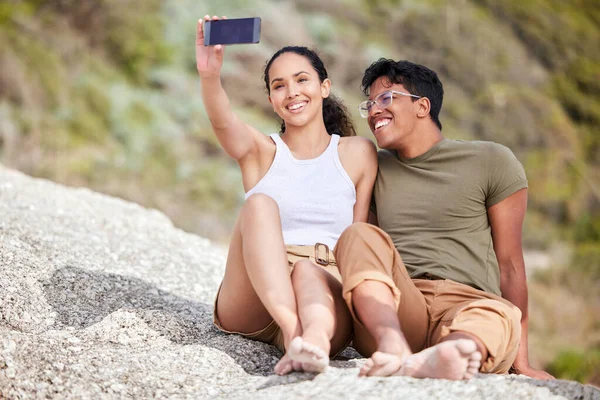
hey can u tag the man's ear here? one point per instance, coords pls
(424, 107)
(325, 88)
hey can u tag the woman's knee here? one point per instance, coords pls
(305, 270)
(260, 201)
(259, 206)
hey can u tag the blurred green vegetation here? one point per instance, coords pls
(104, 94)
(577, 365)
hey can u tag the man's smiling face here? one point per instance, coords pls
(393, 124)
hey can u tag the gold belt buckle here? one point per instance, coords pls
(319, 260)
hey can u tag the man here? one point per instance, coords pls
(439, 290)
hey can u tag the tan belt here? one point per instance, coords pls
(320, 253)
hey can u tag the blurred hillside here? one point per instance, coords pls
(104, 94)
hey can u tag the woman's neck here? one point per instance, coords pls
(307, 141)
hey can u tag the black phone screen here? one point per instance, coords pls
(231, 31)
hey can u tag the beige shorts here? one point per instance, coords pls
(272, 334)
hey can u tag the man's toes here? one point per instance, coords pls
(384, 364)
(468, 376)
(476, 356)
(467, 346)
(473, 367)
(385, 370)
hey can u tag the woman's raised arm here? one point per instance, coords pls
(238, 139)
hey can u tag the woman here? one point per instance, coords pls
(303, 188)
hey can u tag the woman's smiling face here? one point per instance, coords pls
(295, 91)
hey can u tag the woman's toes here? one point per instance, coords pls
(297, 366)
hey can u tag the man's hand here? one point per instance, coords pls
(531, 372)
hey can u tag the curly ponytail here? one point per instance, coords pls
(335, 115)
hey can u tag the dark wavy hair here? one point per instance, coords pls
(335, 115)
(416, 78)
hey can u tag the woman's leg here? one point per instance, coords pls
(257, 287)
(325, 318)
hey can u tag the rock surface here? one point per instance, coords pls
(101, 298)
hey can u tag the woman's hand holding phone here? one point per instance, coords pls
(209, 59)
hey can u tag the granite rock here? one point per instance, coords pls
(101, 298)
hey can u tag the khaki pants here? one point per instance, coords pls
(272, 333)
(428, 309)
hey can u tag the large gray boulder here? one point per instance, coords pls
(101, 298)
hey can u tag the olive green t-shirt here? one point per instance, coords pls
(434, 207)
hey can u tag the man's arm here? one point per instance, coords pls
(364, 154)
(373, 218)
(506, 221)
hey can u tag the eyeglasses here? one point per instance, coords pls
(383, 100)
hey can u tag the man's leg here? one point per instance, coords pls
(492, 322)
(391, 315)
(389, 312)
(375, 307)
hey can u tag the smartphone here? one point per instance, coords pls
(232, 31)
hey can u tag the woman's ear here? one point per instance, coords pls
(271, 102)
(325, 88)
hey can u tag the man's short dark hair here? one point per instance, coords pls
(417, 79)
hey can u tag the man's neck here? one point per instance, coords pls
(419, 142)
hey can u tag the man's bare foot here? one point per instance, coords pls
(389, 357)
(453, 359)
(382, 364)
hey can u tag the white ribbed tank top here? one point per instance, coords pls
(315, 197)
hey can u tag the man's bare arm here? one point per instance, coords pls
(373, 218)
(506, 220)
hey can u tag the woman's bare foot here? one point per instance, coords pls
(284, 366)
(453, 359)
(312, 357)
(309, 353)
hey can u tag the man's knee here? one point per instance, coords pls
(498, 325)
(509, 316)
(356, 229)
(355, 234)
(506, 351)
